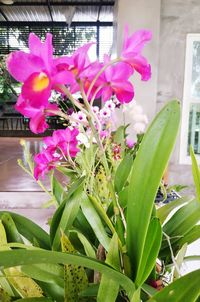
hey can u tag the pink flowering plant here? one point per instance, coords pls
(107, 240)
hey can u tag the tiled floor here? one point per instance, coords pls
(19, 192)
(12, 177)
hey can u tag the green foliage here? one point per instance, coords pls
(195, 172)
(147, 172)
(181, 290)
(112, 228)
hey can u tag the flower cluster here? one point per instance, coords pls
(61, 145)
(43, 74)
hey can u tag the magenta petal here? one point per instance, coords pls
(34, 44)
(38, 124)
(21, 65)
(106, 94)
(24, 107)
(141, 65)
(136, 41)
(122, 71)
(124, 91)
(36, 97)
(43, 50)
(63, 77)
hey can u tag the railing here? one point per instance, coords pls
(14, 125)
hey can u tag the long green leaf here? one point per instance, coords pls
(24, 257)
(35, 300)
(95, 222)
(123, 172)
(108, 289)
(65, 215)
(12, 233)
(89, 250)
(148, 169)
(46, 272)
(57, 190)
(185, 289)
(166, 209)
(182, 222)
(30, 230)
(195, 173)
(151, 250)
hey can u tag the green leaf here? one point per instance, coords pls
(46, 272)
(65, 215)
(195, 173)
(181, 290)
(75, 279)
(191, 236)
(24, 286)
(57, 190)
(95, 222)
(29, 230)
(3, 238)
(179, 261)
(165, 210)
(89, 250)
(123, 197)
(182, 222)
(123, 172)
(12, 233)
(150, 252)
(4, 297)
(108, 289)
(24, 257)
(34, 300)
(148, 168)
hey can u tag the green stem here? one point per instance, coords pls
(119, 223)
(38, 181)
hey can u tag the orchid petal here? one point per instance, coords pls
(38, 124)
(21, 65)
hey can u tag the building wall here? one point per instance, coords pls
(177, 19)
(141, 14)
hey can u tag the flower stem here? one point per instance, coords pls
(119, 223)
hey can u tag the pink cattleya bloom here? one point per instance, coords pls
(115, 79)
(45, 162)
(75, 64)
(131, 52)
(37, 115)
(64, 141)
(37, 70)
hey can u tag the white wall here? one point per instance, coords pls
(141, 14)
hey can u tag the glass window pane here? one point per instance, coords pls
(194, 128)
(196, 69)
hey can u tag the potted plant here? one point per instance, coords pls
(107, 240)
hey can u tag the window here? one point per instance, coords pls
(190, 130)
(65, 39)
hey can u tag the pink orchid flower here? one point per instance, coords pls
(37, 114)
(64, 141)
(37, 70)
(115, 79)
(45, 162)
(131, 52)
(75, 64)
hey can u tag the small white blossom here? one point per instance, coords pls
(110, 105)
(95, 109)
(105, 113)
